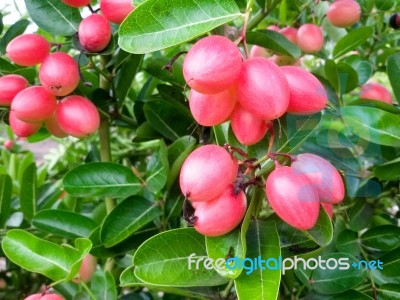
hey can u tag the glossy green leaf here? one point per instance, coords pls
(274, 41)
(393, 72)
(388, 171)
(44, 257)
(322, 232)
(126, 218)
(373, 125)
(159, 24)
(352, 40)
(348, 242)
(359, 215)
(388, 291)
(349, 294)
(15, 30)
(5, 198)
(255, 283)
(362, 67)
(55, 17)
(348, 77)
(126, 75)
(383, 238)
(103, 286)
(155, 68)
(157, 169)
(169, 263)
(391, 263)
(102, 180)
(28, 193)
(64, 223)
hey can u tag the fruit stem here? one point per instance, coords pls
(227, 290)
(171, 62)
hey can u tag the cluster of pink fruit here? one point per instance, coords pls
(249, 93)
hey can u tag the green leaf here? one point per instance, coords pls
(359, 215)
(101, 179)
(393, 71)
(388, 291)
(322, 232)
(362, 67)
(5, 198)
(157, 169)
(352, 40)
(169, 263)
(159, 24)
(126, 218)
(15, 30)
(154, 67)
(55, 17)
(374, 125)
(28, 193)
(382, 238)
(228, 245)
(273, 40)
(44, 257)
(126, 75)
(262, 241)
(64, 223)
(391, 263)
(348, 77)
(335, 280)
(103, 286)
(348, 242)
(388, 171)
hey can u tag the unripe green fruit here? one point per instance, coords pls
(10, 86)
(28, 49)
(94, 33)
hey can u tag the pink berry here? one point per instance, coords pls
(328, 208)
(212, 109)
(10, 86)
(310, 38)
(8, 144)
(76, 3)
(377, 92)
(22, 129)
(205, 70)
(206, 172)
(307, 94)
(28, 49)
(293, 198)
(258, 51)
(262, 89)
(77, 116)
(273, 28)
(247, 128)
(222, 214)
(87, 269)
(322, 175)
(290, 33)
(343, 13)
(34, 104)
(44, 297)
(94, 33)
(54, 128)
(116, 10)
(59, 74)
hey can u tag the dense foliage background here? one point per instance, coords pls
(116, 196)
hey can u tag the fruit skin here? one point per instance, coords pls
(258, 51)
(34, 104)
(77, 116)
(328, 208)
(293, 198)
(10, 86)
(247, 128)
(205, 71)
(28, 49)
(212, 109)
(87, 269)
(54, 128)
(44, 297)
(394, 21)
(206, 172)
(307, 94)
(22, 129)
(76, 3)
(222, 214)
(322, 175)
(310, 38)
(343, 13)
(262, 88)
(377, 92)
(59, 74)
(8, 144)
(94, 33)
(290, 33)
(116, 10)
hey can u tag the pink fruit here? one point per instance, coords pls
(94, 33)
(205, 70)
(116, 10)
(77, 116)
(273, 28)
(10, 86)
(206, 172)
(247, 128)
(59, 74)
(44, 297)
(322, 175)
(54, 128)
(377, 92)
(34, 104)
(290, 33)
(76, 3)
(258, 51)
(8, 144)
(310, 38)
(307, 94)
(88, 267)
(222, 214)
(212, 109)
(328, 208)
(28, 49)
(262, 89)
(22, 129)
(343, 13)
(293, 198)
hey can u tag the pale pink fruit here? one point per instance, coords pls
(376, 91)
(54, 128)
(22, 129)
(262, 89)
(290, 33)
(212, 65)
(10, 86)
(322, 175)
(28, 49)
(94, 33)
(310, 38)
(8, 144)
(88, 267)
(343, 13)
(116, 10)
(273, 28)
(44, 297)
(76, 3)
(258, 51)
(222, 214)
